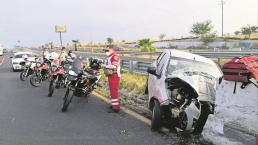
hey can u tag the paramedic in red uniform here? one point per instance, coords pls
(113, 64)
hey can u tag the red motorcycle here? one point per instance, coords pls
(40, 73)
(58, 76)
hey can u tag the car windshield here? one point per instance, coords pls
(20, 55)
(179, 66)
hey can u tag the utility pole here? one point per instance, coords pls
(60, 29)
(60, 36)
(222, 17)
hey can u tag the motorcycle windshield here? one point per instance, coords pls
(76, 65)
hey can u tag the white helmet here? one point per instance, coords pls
(53, 55)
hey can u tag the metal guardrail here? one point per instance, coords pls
(140, 65)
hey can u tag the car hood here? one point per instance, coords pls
(204, 86)
(18, 60)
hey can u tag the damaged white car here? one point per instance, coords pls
(181, 89)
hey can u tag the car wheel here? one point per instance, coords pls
(205, 112)
(156, 121)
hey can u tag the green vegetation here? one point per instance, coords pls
(132, 83)
(204, 30)
(162, 36)
(146, 45)
(248, 30)
(76, 43)
(110, 40)
(237, 32)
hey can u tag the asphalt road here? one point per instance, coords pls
(29, 117)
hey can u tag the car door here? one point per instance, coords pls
(157, 87)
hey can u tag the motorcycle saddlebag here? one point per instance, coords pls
(241, 69)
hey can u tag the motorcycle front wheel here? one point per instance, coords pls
(35, 80)
(23, 75)
(52, 86)
(67, 99)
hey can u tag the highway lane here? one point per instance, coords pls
(29, 117)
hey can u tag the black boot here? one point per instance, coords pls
(110, 110)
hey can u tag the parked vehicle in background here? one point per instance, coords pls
(19, 57)
(181, 89)
(1, 51)
(27, 69)
(5, 50)
(41, 72)
(119, 49)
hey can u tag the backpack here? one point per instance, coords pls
(241, 69)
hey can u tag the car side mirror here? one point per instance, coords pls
(11, 57)
(152, 70)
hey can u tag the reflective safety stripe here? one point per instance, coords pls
(115, 103)
(114, 100)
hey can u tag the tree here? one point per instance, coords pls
(237, 32)
(146, 45)
(51, 45)
(110, 40)
(209, 38)
(76, 42)
(162, 36)
(253, 29)
(248, 30)
(202, 29)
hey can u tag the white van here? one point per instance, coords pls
(1, 51)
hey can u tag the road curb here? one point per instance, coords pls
(126, 110)
(132, 113)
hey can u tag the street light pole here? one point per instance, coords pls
(222, 17)
(61, 39)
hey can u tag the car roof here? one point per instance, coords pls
(18, 53)
(188, 55)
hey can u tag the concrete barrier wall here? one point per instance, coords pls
(235, 121)
(240, 108)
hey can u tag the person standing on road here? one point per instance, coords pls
(45, 53)
(62, 55)
(71, 55)
(112, 71)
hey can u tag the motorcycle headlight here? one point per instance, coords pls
(38, 64)
(54, 68)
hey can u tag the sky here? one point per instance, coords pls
(32, 22)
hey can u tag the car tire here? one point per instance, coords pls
(156, 121)
(205, 112)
